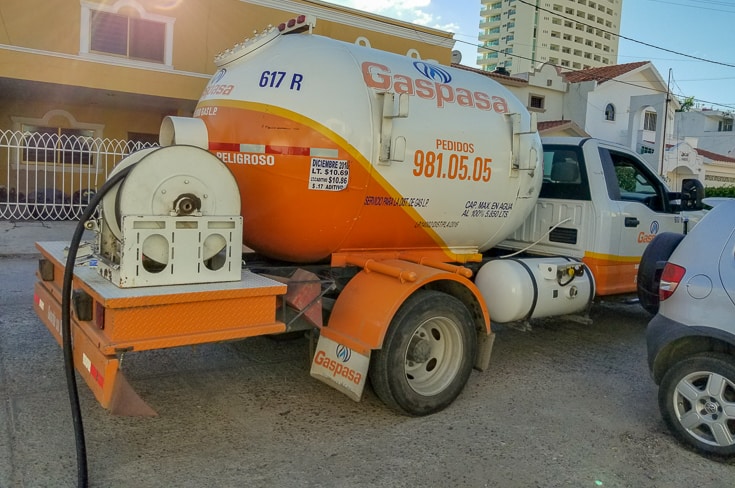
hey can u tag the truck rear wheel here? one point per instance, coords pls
(658, 250)
(427, 354)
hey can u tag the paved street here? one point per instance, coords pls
(565, 405)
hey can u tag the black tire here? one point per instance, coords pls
(427, 354)
(659, 250)
(697, 401)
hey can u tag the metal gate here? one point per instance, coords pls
(52, 176)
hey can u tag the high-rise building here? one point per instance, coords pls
(519, 35)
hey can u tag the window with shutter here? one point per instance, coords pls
(130, 37)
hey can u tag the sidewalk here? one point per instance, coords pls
(19, 238)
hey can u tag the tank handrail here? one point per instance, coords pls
(369, 264)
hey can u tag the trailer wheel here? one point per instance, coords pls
(427, 354)
(658, 250)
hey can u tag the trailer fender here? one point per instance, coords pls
(365, 308)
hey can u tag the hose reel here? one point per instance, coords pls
(174, 219)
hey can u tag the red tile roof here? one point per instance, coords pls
(550, 124)
(567, 125)
(601, 74)
(714, 156)
(502, 79)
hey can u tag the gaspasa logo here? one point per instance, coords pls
(218, 76)
(343, 353)
(337, 369)
(645, 238)
(433, 84)
(433, 72)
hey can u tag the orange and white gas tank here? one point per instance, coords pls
(342, 148)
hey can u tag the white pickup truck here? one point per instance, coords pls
(603, 204)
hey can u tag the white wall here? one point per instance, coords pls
(704, 126)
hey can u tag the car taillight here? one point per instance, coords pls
(670, 279)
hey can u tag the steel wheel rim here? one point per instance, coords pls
(704, 404)
(434, 356)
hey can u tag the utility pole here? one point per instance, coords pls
(666, 116)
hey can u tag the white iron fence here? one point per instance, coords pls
(47, 176)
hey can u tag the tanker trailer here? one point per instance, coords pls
(399, 168)
(372, 185)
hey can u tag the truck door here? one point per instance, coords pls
(643, 211)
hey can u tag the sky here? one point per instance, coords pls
(688, 29)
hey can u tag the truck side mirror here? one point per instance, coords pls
(692, 192)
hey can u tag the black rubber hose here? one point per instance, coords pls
(71, 380)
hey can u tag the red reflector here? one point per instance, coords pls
(281, 27)
(99, 315)
(291, 22)
(670, 279)
(97, 375)
(301, 19)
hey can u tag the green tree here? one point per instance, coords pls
(626, 178)
(687, 103)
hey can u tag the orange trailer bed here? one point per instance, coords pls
(123, 320)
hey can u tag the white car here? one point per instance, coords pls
(691, 340)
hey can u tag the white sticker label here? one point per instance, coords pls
(86, 362)
(54, 321)
(340, 367)
(329, 174)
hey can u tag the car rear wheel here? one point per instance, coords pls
(659, 250)
(697, 401)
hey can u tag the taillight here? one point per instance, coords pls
(670, 279)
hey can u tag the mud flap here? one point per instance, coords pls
(484, 349)
(99, 371)
(106, 380)
(340, 367)
(126, 402)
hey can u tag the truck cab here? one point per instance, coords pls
(601, 203)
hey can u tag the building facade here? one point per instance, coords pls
(518, 35)
(628, 104)
(712, 128)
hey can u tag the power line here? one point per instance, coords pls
(726, 4)
(628, 38)
(678, 95)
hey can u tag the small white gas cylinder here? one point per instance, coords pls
(526, 288)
